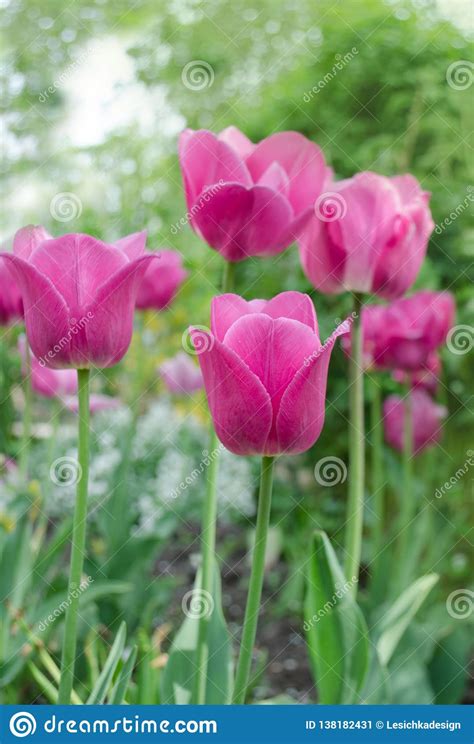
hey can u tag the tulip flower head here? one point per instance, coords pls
(247, 199)
(427, 416)
(11, 304)
(181, 375)
(405, 334)
(265, 372)
(426, 378)
(78, 294)
(369, 234)
(161, 281)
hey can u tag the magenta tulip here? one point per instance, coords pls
(405, 334)
(427, 420)
(426, 378)
(265, 372)
(49, 383)
(79, 296)
(369, 234)
(245, 199)
(11, 304)
(161, 281)
(181, 375)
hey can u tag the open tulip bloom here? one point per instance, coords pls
(79, 296)
(369, 234)
(247, 199)
(265, 373)
(161, 281)
(427, 418)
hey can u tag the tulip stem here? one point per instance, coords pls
(252, 609)
(208, 536)
(407, 502)
(377, 465)
(26, 433)
(355, 506)
(78, 544)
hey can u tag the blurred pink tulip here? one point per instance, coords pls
(265, 372)
(49, 383)
(97, 403)
(161, 281)
(404, 335)
(79, 295)
(245, 199)
(427, 420)
(369, 234)
(426, 378)
(11, 305)
(181, 375)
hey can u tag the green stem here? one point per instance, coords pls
(78, 544)
(208, 534)
(26, 434)
(252, 609)
(355, 506)
(377, 468)
(407, 502)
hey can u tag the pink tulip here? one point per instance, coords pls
(265, 372)
(79, 296)
(11, 304)
(405, 334)
(49, 383)
(426, 378)
(245, 199)
(161, 281)
(181, 375)
(427, 420)
(97, 403)
(369, 234)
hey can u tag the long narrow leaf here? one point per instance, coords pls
(102, 685)
(120, 688)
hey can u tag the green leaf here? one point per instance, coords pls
(180, 672)
(448, 668)
(337, 634)
(121, 685)
(99, 692)
(398, 617)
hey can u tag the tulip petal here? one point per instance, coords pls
(240, 222)
(301, 414)
(46, 313)
(274, 349)
(132, 245)
(27, 239)
(240, 406)
(302, 161)
(322, 261)
(237, 140)
(294, 305)
(77, 265)
(161, 281)
(206, 161)
(109, 329)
